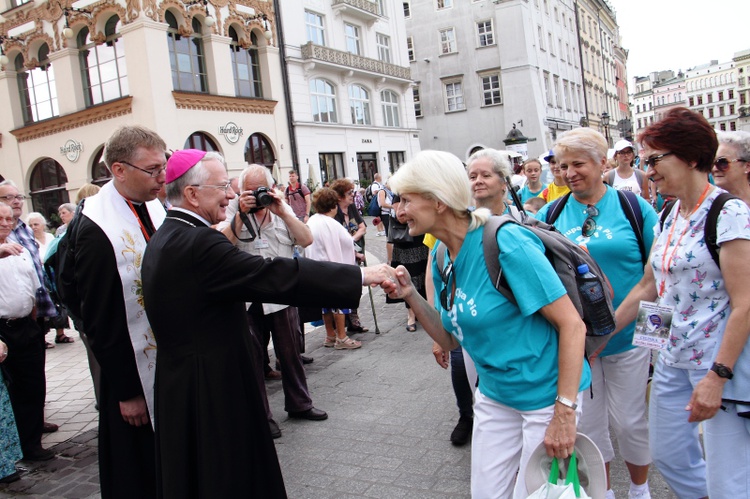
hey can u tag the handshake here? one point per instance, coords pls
(395, 282)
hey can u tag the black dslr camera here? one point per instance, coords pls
(263, 197)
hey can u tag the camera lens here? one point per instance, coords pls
(263, 197)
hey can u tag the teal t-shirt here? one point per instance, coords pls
(525, 193)
(614, 247)
(514, 347)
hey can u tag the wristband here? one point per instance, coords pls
(566, 402)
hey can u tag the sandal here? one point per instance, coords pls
(347, 344)
(411, 327)
(48, 345)
(64, 339)
(329, 342)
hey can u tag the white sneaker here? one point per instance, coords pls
(381, 233)
(644, 494)
(610, 494)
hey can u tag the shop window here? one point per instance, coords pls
(47, 189)
(100, 174)
(258, 150)
(202, 142)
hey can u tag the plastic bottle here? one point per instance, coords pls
(595, 308)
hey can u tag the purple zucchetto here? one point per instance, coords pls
(181, 161)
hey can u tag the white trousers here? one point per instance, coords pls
(619, 384)
(501, 445)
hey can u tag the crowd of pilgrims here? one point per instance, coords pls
(542, 391)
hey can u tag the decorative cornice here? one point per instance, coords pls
(88, 116)
(206, 102)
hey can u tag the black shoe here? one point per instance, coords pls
(39, 454)
(13, 477)
(274, 427)
(311, 414)
(462, 432)
(357, 329)
(306, 360)
(49, 427)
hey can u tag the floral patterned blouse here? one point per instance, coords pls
(693, 283)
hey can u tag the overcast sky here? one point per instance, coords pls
(680, 34)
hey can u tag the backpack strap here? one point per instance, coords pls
(556, 208)
(634, 214)
(492, 254)
(610, 179)
(709, 229)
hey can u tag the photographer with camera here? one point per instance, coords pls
(264, 225)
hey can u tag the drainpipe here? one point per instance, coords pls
(285, 81)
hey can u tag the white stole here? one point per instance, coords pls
(110, 211)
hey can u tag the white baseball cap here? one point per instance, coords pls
(623, 144)
(591, 471)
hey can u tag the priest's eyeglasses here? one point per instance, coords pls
(224, 187)
(151, 173)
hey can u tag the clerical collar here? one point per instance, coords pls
(192, 214)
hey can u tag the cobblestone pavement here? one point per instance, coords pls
(391, 412)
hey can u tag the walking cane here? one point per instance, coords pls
(372, 301)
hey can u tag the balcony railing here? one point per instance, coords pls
(353, 61)
(364, 9)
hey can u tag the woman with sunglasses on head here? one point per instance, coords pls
(703, 374)
(731, 170)
(593, 216)
(529, 356)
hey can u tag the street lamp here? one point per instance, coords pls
(605, 124)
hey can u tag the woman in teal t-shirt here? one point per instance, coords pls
(529, 356)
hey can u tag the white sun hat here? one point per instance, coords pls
(591, 472)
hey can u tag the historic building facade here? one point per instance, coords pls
(202, 75)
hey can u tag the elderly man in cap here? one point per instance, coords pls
(212, 435)
(112, 234)
(558, 188)
(25, 340)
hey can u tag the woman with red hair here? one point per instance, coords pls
(702, 376)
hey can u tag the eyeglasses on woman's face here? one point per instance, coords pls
(722, 163)
(652, 161)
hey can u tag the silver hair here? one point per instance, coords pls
(441, 176)
(68, 206)
(8, 182)
(256, 169)
(740, 140)
(585, 140)
(197, 175)
(499, 161)
(35, 214)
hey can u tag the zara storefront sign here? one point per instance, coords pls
(231, 132)
(72, 150)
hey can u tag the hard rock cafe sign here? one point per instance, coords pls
(231, 132)
(72, 150)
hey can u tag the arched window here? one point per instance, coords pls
(359, 104)
(104, 74)
(186, 57)
(47, 188)
(323, 101)
(37, 88)
(389, 101)
(100, 174)
(258, 150)
(245, 67)
(201, 141)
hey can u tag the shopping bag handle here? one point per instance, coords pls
(572, 475)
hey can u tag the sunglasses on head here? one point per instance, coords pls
(722, 163)
(589, 225)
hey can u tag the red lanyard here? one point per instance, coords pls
(143, 228)
(666, 263)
